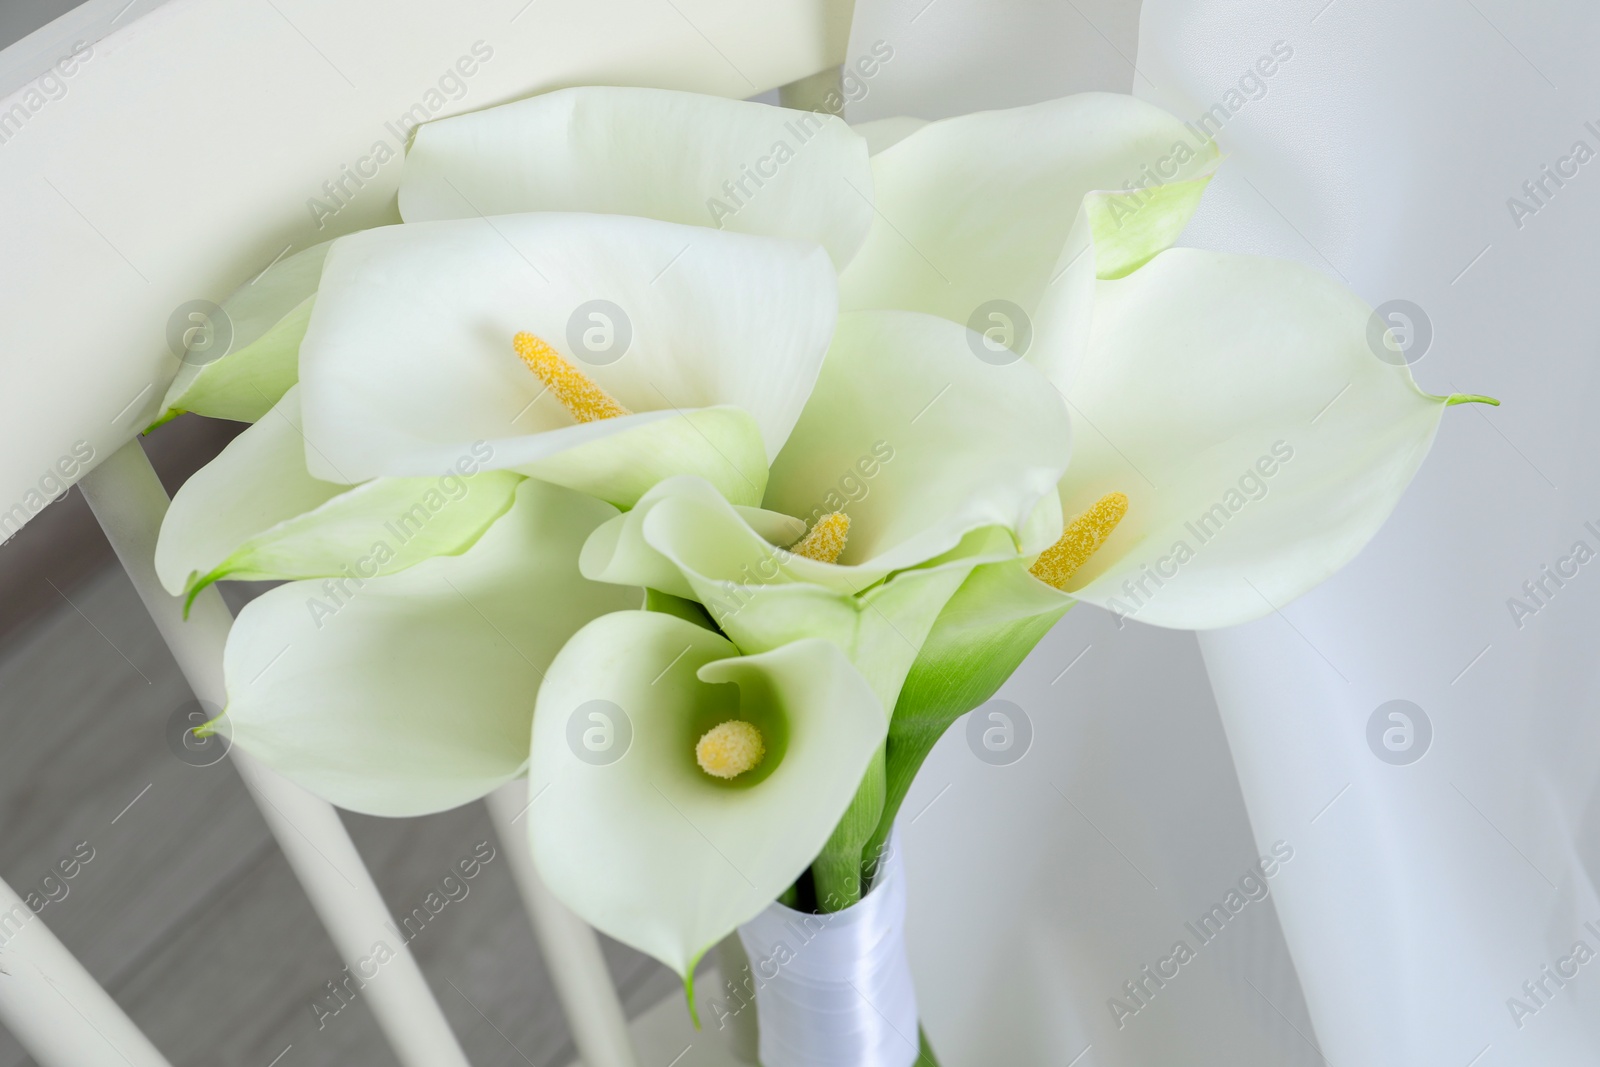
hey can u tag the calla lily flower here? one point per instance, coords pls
(263, 322)
(680, 787)
(424, 336)
(977, 209)
(1255, 413)
(657, 153)
(414, 692)
(255, 513)
(1184, 370)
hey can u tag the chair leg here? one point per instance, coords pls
(54, 1007)
(570, 946)
(128, 500)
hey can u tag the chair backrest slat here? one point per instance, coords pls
(175, 158)
(129, 501)
(53, 1007)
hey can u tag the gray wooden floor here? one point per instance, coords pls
(188, 912)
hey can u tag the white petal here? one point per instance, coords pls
(255, 513)
(1260, 441)
(880, 630)
(258, 481)
(978, 208)
(674, 156)
(266, 318)
(1115, 234)
(619, 460)
(618, 552)
(685, 540)
(649, 848)
(919, 440)
(415, 693)
(409, 359)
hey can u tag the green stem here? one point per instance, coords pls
(837, 870)
(971, 652)
(908, 746)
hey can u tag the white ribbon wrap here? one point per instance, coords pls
(836, 989)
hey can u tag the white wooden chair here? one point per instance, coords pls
(153, 154)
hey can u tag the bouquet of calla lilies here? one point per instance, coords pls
(710, 518)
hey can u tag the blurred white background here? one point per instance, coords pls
(1422, 895)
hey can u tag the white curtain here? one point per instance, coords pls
(1433, 908)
